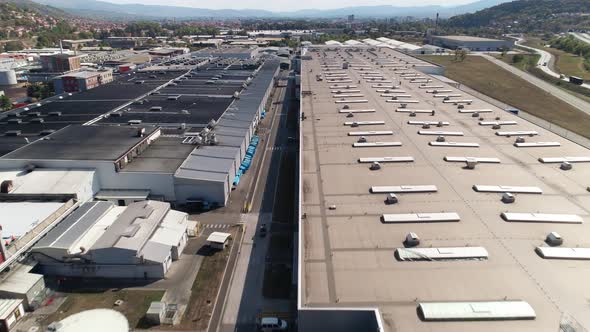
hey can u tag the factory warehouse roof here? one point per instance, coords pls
(78, 142)
(449, 220)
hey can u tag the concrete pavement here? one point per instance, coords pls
(548, 87)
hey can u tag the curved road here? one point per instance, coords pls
(546, 58)
(548, 87)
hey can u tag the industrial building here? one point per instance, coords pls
(60, 63)
(178, 134)
(100, 239)
(448, 214)
(82, 80)
(472, 43)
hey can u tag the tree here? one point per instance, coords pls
(517, 58)
(5, 103)
(15, 45)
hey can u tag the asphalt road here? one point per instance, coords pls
(581, 36)
(548, 87)
(245, 302)
(546, 61)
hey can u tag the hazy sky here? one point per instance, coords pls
(287, 5)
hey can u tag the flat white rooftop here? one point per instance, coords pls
(347, 255)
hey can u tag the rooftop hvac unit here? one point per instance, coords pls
(496, 127)
(212, 124)
(183, 126)
(212, 139)
(412, 114)
(391, 199)
(134, 122)
(362, 139)
(566, 166)
(440, 139)
(184, 112)
(461, 106)
(140, 132)
(520, 139)
(236, 95)
(426, 126)
(375, 166)
(156, 108)
(412, 240)
(470, 163)
(554, 239)
(508, 198)
(475, 115)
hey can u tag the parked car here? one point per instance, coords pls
(263, 230)
(272, 324)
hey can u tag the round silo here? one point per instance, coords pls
(7, 77)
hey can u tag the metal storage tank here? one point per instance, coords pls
(7, 77)
(95, 320)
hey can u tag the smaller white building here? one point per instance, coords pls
(218, 240)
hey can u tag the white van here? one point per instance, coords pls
(272, 324)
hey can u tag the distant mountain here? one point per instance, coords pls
(28, 5)
(107, 9)
(529, 15)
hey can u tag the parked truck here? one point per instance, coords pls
(576, 80)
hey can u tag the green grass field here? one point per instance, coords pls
(487, 78)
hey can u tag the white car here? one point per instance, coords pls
(272, 324)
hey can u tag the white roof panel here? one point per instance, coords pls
(476, 111)
(403, 101)
(357, 111)
(218, 237)
(517, 133)
(351, 101)
(495, 310)
(370, 133)
(406, 110)
(507, 189)
(537, 144)
(403, 189)
(455, 144)
(564, 159)
(440, 133)
(478, 159)
(364, 123)
(542, 217)
(375, 144)
(563, 253)
(386, 159)
(413, 254)
(444, 123)
(421, 217)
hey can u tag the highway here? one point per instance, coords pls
(548, 87)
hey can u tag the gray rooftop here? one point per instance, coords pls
(74, 226)
(78, 142)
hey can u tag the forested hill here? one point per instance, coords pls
(528, 15)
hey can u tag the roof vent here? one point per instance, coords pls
(362, 139)
(440, 139)
(520, 139)
(375, 166)
(412, 114)
(470, 163)
(497, 118)
(134, 122)
(404, 105)
(349, 115)
(34, 114)
(412, 240)
(116, 114)
(37, 120)
(440, 124)
(461, 106)
(391, 199)
(496, 126)
(345, 107)
(508, 198)
(426, 126)
(566, 166)
(140, 132)
(354, 124)
(54, 113)
(554, 239)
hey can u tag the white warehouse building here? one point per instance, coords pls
(100, 239)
